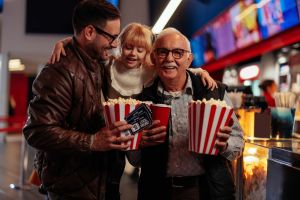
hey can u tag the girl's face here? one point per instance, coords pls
(272, 88)
(133, 56)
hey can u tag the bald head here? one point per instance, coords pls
(167, 32)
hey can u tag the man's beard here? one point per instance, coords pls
(100, 54)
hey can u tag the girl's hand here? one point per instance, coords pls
(207, 80)
(59, 50)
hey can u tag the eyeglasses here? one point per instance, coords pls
(176, 53)
(111, 38)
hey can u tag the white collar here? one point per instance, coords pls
(126, 81)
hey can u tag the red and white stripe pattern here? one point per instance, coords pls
(205, 121)
(118, 112)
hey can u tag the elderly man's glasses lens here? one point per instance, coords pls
(111, 38)
(176, 53)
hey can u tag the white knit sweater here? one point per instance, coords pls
(128, 82)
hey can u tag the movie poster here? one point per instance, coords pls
(244, 23)
(275, 16)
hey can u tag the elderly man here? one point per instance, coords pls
(168, 169)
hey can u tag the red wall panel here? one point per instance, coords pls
(19, 92)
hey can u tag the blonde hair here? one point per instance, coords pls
(139, 35)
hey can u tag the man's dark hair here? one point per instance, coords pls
(93, 12)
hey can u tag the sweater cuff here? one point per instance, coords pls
(232, 152)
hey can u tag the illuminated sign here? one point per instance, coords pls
(249, 73)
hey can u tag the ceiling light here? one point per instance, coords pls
(285, 49)
(282, 60)
(297, 45)
(250, 72)
(15, 65)
(165, 16)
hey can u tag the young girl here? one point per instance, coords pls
(132, 70)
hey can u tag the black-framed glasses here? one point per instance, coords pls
(111, 38)
(176, 53)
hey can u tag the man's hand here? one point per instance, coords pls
(154, 135)
(222, 138)
(108, 139)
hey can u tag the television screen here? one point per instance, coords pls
(298, 5)
(209, 45)
(116, 3)
(49, 16)
(244, 23)
(1, 6)
(223, 35)
(197, 50)
(275, 16)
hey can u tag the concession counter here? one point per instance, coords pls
(268, 169)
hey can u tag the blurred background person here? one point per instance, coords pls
(269, 87)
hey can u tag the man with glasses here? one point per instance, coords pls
(65, 122)
(168, 169)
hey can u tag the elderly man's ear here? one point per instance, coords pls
(190, 60)
(152, 57)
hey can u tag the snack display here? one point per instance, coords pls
(118, 110)
(255, 172)
(205, 119)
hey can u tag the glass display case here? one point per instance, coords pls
(252, 170)
(255, 124)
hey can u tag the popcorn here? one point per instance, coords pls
(212, 101)
(117, 110)
(121, 101)
(205, 119)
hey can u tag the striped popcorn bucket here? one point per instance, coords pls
(118, 112)
(205, 121)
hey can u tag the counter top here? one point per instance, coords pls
(292, 144)
(283, 150)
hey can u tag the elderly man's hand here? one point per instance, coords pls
(154, 135)
(109, 138)
(222, 138)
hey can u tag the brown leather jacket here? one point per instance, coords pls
(64, 113)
